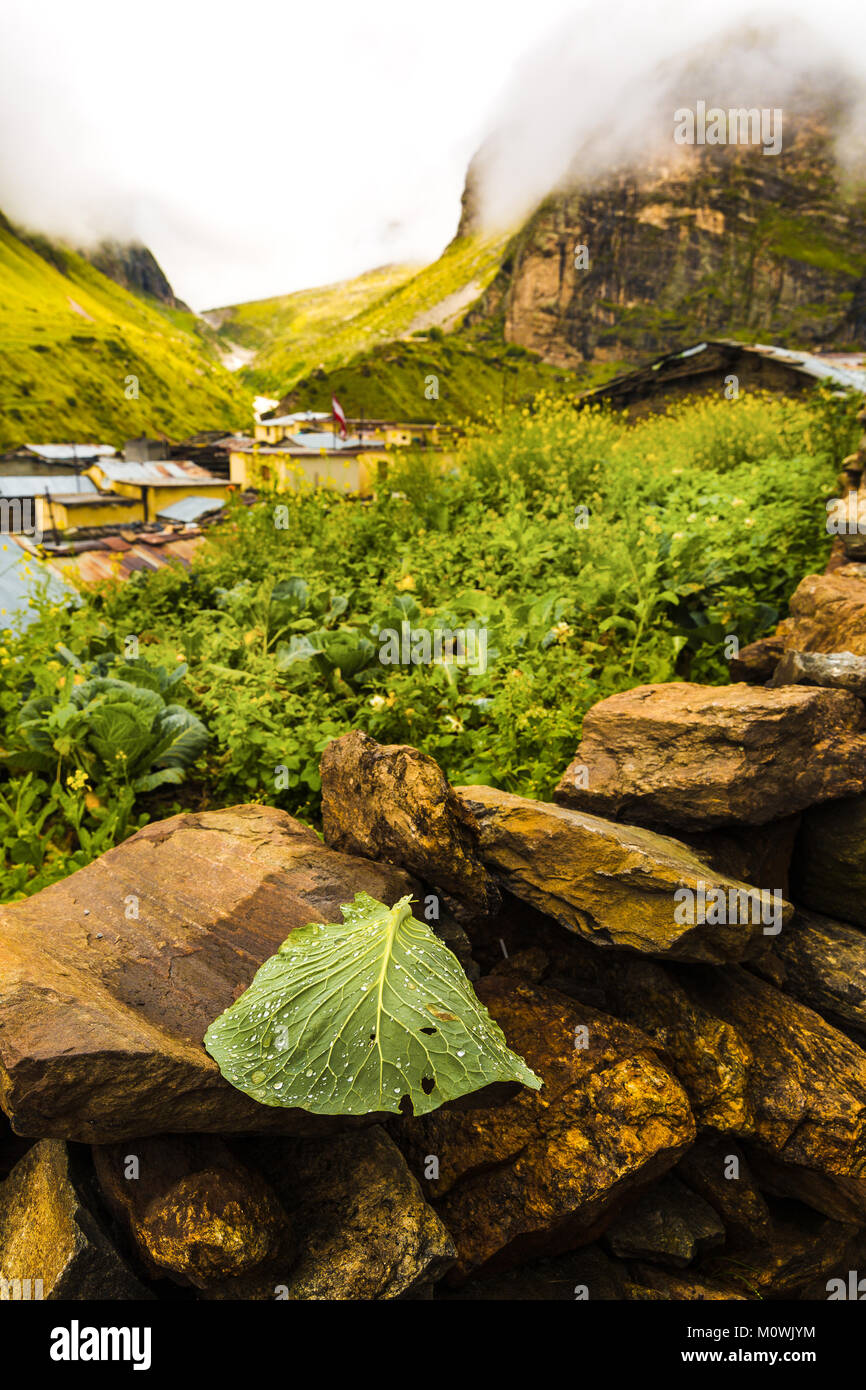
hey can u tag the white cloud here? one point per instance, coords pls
(267, 146)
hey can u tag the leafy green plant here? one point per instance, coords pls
(363, 1015)
(107, 727)
(702, 521)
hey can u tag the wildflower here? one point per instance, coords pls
(378, 702)
(562, 632)
(78, 781)
(407, 582)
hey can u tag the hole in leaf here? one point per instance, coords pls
(428, 1030)
(427, 1084)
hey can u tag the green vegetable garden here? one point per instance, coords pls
(595, 554)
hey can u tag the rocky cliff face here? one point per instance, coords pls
(135, 268)
(719, 240)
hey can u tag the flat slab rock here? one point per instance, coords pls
(102, 1014)
(827, 613)
(546, 1171)
(699, 756)
(613, 884)
(825, 967)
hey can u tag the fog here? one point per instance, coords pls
(271, 146)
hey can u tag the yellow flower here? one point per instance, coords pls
(78, 781)
(407, 582)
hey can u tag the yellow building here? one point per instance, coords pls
(349, 470)
(66, 511)
(281, 427)
(157, 484)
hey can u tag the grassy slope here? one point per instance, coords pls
(327, 328)
(63, 369)
(376, 341)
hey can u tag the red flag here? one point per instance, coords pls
(339, 415)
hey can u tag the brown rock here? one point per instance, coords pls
(587, 1274)
(102, 1014)
(362, 1227)
(757, 1064)
(830, 866)
(669, 1224)
(546, 1171)
(52, 1246)
(395, 803)
(825, 967)
(190, 1207)
(805, 1247)
(729, 1187)
(805, 1085)
(831, 1197)
(707, 1053)
(698, 756)
(612, 884)
(681, 1286)
(756, 663)
(828, 613)
(760, 855)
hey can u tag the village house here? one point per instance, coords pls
(277, 428)
(726, 368)
(345, 465)
(157, 484)
(34, 459)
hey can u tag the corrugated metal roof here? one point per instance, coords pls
(814, 364)
(189, 509)
(93, 566)
(20, 576)
(36, 485)
(298, 417)
(314, 440)
(155, 472)
(76, 452)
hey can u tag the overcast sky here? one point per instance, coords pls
(268, 145)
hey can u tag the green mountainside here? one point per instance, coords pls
(393, 343)
(70, 339)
